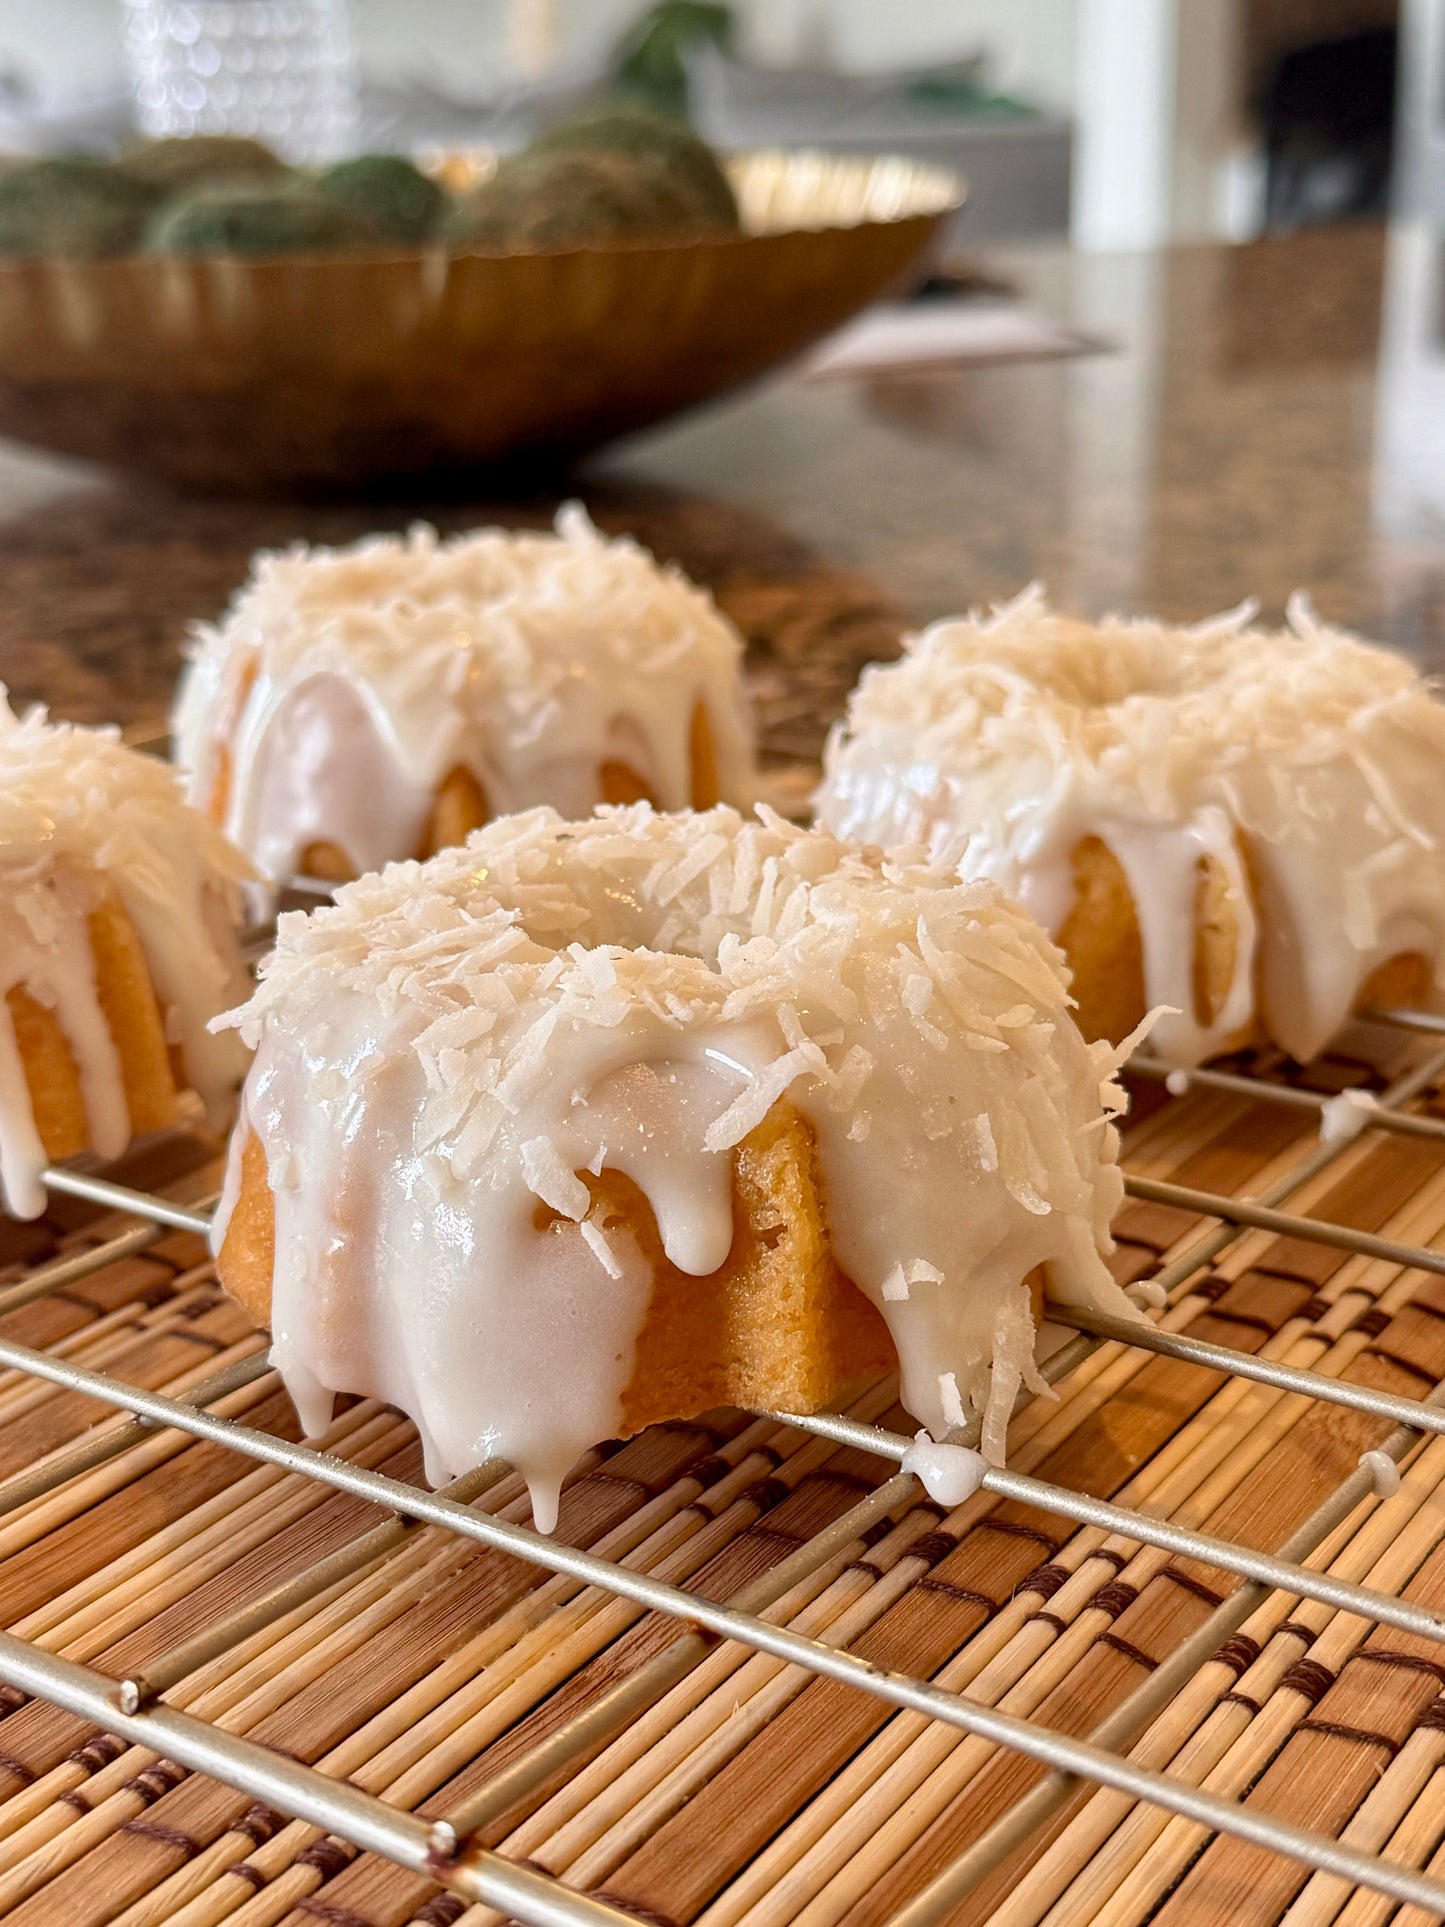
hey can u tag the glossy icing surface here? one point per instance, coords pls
(344, 685)
(1307, 764)
(82, 816)
(443, 1051)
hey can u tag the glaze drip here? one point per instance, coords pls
(1303, 764)
(444, 1051)
(344, 686)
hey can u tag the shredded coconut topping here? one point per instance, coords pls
(1304, 760)
(345, 684)
(74, 792)
(636, 991)
(81, 815)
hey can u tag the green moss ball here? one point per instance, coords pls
(402, 203)
(622, 130)
(74, 207)
(257, 219)
(192, 160)
(571, 198)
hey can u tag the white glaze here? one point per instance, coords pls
(949, 1474)
(1385, 1472)
(1148, 1294)
(82, 816)
(529, 660)
(1344, 1116)
(1002, 742)
(455, 1040)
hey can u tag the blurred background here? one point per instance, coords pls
(1114, 123)
(1183, 344)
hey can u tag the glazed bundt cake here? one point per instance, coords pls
(588, 1125)
(1246, 827)
(118, 915)
(358, 706)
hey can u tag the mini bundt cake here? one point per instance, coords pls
(118, 914)
(358, 706)
(588, 1125)
(1246, 827)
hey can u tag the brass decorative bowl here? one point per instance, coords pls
(329, 370)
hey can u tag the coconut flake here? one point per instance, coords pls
(596, 1238)
(953, 1413)
(915, 1271)
(554, 1184)
(895, 1286)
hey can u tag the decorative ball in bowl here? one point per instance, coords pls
(375, 360)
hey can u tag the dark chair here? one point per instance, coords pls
(1328, 116)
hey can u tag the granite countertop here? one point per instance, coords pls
(1267, 418)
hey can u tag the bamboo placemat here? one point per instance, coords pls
(758, 1678)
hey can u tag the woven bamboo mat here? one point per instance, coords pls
(744, 1790)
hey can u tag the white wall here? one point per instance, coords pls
(1161, 153)
(1031, 42)
(1421, 167)
(61, 45)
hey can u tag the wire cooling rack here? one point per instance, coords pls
(447, 1848)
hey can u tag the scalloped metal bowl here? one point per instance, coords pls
(336, 370)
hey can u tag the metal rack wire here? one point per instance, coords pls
(447, 1849)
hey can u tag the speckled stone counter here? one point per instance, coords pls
(1264, 419)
